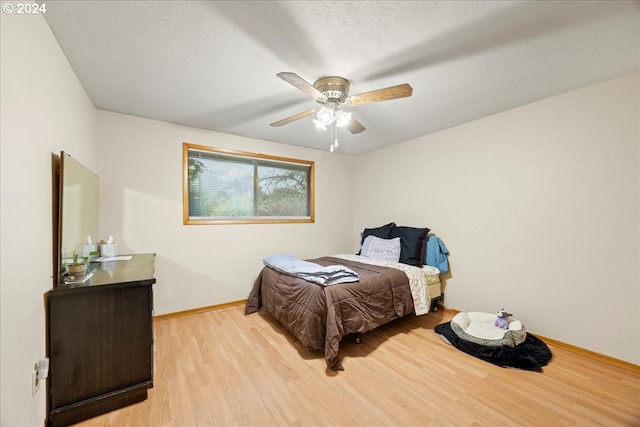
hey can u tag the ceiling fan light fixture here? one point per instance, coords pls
(332, 92)
(342, 118)
(326, 115)
(320, 124)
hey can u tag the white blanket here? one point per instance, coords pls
(417, 279)
(310, 271)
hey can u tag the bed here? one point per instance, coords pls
(320, 316)
(386, 289)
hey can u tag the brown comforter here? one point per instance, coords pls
(320, 316)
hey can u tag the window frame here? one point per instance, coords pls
(186, 147)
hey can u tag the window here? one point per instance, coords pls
(226, 187)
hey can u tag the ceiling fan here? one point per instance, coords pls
(333, 91)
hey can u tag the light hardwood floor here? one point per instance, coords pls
(222, 368)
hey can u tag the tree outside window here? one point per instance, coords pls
(223, 186)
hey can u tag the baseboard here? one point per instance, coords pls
(447, 309)
(572, 348)
(591, 354)
(198, 310)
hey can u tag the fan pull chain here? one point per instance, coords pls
(334, 137)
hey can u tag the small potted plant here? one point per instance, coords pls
(78, 267)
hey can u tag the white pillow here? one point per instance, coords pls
(385, 249)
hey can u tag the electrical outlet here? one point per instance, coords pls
(35, 384)
(40, 373)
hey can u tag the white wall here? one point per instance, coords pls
(539, 207)
(140, 168)
(44, 110)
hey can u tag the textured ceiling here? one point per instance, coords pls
(213, 64)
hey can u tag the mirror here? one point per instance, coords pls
(78, 208)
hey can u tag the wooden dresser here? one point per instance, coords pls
(100, 340)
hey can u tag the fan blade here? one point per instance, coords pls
(393, 92)
(355, 126)
(293, 118)
(300, 83)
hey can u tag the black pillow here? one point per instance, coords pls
(383, 232)
(413, 243)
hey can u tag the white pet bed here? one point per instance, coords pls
(480, 328)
